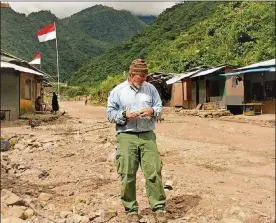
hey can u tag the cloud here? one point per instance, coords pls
(65, 9)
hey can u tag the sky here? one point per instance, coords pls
(65, 9)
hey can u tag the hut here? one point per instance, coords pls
(21, 83)
(259, 90)
(158, 79)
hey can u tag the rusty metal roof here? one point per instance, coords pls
(181, 76)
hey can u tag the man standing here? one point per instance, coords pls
(134, 106)
(55, 106)
(85, 100)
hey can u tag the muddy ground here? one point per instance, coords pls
(219, 170)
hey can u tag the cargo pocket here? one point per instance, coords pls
(119, 162)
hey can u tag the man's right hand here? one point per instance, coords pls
(131, 115)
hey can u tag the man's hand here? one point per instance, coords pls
(145, 112)
(131, 115)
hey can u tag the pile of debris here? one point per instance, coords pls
(203, 113)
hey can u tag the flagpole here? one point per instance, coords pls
(57, 60)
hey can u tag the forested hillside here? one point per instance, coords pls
(81, 36)
(147, 19)
(192, 34)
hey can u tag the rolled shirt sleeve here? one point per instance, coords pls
(157, 103)
(114, 113)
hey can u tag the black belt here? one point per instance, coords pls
(135, 133)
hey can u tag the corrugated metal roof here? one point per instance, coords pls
(267, 69)
(7, 59)
(11, 58)
(20, 68)
(266, 63)
(209, 71)
(180, 77)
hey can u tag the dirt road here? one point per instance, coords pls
(220, 171)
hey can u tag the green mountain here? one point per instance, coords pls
(191, 34)
(81, 36)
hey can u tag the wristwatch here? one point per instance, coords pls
(124, 114)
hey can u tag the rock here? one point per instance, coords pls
(93, 214)
(254, 218)
(113, 176)
(101, 160)
(5, 157)
(101, 177)
(36, 144)
(15, 211)
(108, 145)
(51, 207)
(43, 174)
(111, 156)
(15, 165)
(46, 140)
(168, 185)
(35, 219)
(235, 210)
(162, 152)
(101, 139)
(30, 141)
(4, 208)
(242, 216)
(85, 219)
(44, 197)
(41, 204)
(47, 145)
(21, 167)
(19, 146)
(12, 220)
(65, 214)
(71, 193)
(107, 215)
(80, 219)
(230, 220)
(79, 199)
(28, 214)
(10, 198)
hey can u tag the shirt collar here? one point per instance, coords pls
(132, 87)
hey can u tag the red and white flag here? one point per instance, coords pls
(36, 59)
(47, 33)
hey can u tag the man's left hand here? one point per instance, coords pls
(146, 112)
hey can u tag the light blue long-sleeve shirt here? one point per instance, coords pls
(125, 97)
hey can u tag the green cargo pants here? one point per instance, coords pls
(134, 149)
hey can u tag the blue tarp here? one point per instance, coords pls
(267, 69)
(266, 64)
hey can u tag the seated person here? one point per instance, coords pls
(38, 104)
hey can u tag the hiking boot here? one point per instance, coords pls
(133, 218)
(160, 217)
